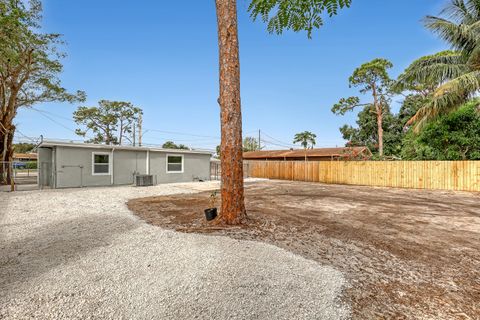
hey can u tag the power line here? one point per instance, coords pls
(53, 114)
(47, 114)
(203, 138)
(278, 141)
(184, 140)
(26, 137)
(53, 120)
(275, 144)
(250, 132)
(183, 134)
(58, 123)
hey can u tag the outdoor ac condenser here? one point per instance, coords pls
(144, 180)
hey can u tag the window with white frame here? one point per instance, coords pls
(100, 163)
(174, 163)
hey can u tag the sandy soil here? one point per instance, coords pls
(408, 254)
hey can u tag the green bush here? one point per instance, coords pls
(32, 165)
(455, 136)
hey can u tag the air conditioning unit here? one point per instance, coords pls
(144, 180)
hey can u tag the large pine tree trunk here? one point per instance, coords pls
(233, 206)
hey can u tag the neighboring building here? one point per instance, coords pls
(318, 154)
(69, 165)
(24, 157)
(24, 161)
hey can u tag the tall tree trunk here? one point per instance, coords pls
(7, 130)
(231, 155)
(379, 112)
(380, 131)
(6, 152)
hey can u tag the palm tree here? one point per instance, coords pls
(455, 73)
(305, 138)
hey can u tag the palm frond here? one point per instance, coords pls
(459, 36)
(474, 7)
(456, 73)
(448, 97)
(458, 11)
(473, 60)
(435, 69)
(465, 84)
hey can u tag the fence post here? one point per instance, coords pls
(12, 178)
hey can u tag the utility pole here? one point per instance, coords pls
(133, 134)
(140, 130)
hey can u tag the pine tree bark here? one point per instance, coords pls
(380, 131)
(231, 155)
(379, 112)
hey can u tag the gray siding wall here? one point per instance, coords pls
(73, 167)
(194, 166)
(45, 167)
(128, 163)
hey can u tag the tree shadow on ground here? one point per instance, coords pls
(54, 244)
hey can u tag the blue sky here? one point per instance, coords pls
(163, 57)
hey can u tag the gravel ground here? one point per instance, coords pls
(81, 254)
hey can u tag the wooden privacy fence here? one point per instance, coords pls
(445, 175)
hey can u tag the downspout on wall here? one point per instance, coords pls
(147, 165)
(112, 181)
(54, 167)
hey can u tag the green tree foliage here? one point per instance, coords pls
(305, 138)
(23, 147)
(111, 122)
(410, 106)
(296, 15)
(366, 132)
(372, 78)
(30, 63)
(172, 145)
(250, 144)
(454, 136)
(31, 165)
(455, 74)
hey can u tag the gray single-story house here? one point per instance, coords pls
(74, 165)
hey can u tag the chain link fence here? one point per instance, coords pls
(216, 170)
(18, 175)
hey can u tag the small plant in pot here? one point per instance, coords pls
(211, 213)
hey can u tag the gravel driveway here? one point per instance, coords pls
(81, 254)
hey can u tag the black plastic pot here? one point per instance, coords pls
(210, 213)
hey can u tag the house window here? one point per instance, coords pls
(101, 163)
(174, 163)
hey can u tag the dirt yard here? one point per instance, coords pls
(407, 254)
